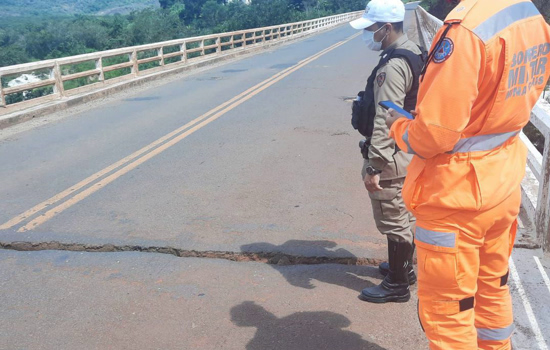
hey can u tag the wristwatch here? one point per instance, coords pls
(372, 171)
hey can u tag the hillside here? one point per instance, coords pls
(72, 7)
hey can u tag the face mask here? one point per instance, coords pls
(368, 38)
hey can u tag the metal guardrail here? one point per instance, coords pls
(132, 62)
(536, 184)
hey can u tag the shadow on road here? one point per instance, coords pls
(299, 331)
(302, 248)
(344, 275)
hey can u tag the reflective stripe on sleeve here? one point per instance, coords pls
(506, 17)
(410, 150)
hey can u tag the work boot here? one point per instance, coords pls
(395, 286)
(384, 268)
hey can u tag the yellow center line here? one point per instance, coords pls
(49, 202)
(192, 126)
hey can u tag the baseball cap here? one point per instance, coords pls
(386, 11)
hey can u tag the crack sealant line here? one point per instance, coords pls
(107, 180)
(276, 258)
(73, 189)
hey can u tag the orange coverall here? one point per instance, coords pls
(463, 184)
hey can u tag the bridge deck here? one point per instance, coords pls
(273, 171)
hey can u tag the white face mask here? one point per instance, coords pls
(368, 38)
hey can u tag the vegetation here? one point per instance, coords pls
(544, 8)
(440, 8)
(25, 39)
(45, 33)
(38, 8)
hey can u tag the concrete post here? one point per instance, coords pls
(2, 97)
(134, 60)
(543, 200)
(161, 55)
(183, 50)
(56, 72)
(99, 65)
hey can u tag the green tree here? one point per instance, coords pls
(213, 14)
(149, 26)
(167, 4)
(441, 8)
(239, 16)
(12, 55)
(544, 8)
(271, 12)
(438, 8)
(25, 39)
(178, 9)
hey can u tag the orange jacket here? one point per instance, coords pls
(475, 97)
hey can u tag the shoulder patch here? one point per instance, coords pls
(381, 78)
(444, 50)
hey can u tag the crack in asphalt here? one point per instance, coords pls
(272, 258)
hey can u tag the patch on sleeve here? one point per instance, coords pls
(381, 78)
(444, 50)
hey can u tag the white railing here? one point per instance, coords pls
(428, 26)
(60, 78)
(536, 184)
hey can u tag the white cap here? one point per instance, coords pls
(385, 11)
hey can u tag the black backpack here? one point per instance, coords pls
(363, 110)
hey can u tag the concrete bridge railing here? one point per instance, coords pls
(26, 85)
(536, 184)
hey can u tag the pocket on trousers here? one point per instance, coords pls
(411, 189)
(384, 205)
(437, 255)
(387, 194)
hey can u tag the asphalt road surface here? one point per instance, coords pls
(253, 156)
(274, 169)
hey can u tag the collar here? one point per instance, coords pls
(460, 11)
(399, 42)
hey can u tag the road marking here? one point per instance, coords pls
(157, 147)
(528, 309)
(49, 202)
(543, 273)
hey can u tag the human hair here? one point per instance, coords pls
(398, 26)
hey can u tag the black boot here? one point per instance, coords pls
(395, 286)
(384, 268)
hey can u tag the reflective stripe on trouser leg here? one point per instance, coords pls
(493, 310)
(447, 275)
(498, 334)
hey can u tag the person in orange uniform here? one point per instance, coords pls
(488, 66)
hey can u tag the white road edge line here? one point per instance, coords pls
(534, 324)
(543, 273)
